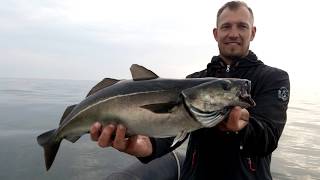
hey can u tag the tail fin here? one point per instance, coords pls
(50, 146)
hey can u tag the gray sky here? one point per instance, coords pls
(90, 40)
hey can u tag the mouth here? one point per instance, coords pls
(233, 43)
(247, 101)
(245, 97)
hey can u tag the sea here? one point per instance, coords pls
(28, 107)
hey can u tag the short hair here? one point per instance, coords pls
(234, 5)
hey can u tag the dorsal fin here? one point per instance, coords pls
(141, 73)
(67, 112)
(102, 84)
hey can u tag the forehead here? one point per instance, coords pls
(238, 15)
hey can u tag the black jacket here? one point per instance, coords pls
(244, 155)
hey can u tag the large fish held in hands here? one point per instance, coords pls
(151, 106)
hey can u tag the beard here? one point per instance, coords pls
(233, 53)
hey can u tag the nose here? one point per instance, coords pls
(234, 33)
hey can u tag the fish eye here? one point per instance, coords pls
(226, 85)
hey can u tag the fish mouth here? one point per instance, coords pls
(244, 96)
(246, 101)
(211, 118)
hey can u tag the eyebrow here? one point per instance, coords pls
(241, 23)
(244, 23)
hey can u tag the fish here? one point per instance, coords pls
(151, 106)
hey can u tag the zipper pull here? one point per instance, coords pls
(228, 68)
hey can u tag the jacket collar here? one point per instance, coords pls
(248, 61)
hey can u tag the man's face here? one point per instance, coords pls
(234, 32)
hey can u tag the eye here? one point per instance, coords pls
(243, 26)
(226, 85)
(225, 26)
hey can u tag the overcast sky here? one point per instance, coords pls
(90, 40)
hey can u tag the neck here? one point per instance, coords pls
(226, 60)
(230, 59)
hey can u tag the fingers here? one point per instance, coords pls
(95, 131)
(104, 135)
(138, 145)
(238, 119)
(143, 146)
(234, 115)
(105, 138)
(120, 142)
(245, 115)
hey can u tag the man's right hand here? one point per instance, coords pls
(139, 146)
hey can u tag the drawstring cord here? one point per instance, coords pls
(251, 165)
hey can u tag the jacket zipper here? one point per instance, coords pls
(228, 68)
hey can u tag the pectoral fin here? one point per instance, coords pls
(160, 107)
(72, 139)
(180, 137)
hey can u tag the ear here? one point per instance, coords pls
(215, 33)
(253, 33)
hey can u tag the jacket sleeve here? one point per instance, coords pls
(268, 117)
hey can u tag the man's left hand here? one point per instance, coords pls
(237, 120)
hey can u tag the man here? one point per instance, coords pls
(240, 147)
